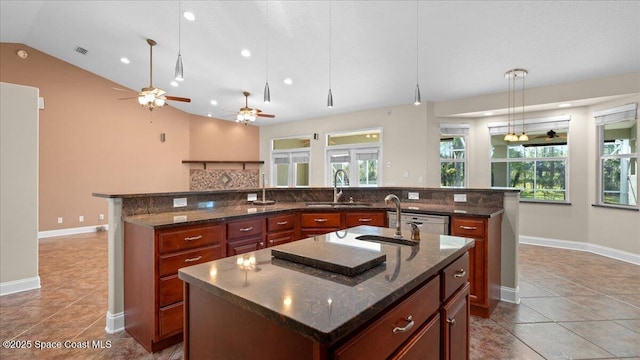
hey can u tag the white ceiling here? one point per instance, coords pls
(464, 47)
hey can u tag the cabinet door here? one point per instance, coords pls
(425, 345)
(280, 238)
(244, 246)
(455, 326)
(477, 273)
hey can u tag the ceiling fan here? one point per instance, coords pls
(551, 135)
(152, 97)
(248, 114)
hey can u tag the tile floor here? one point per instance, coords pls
(575, 305)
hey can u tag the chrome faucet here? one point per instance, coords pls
(336, 194)
(415, 231)
(396, 200)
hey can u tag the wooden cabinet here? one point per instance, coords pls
(455, 326)
(484, 260)
(153, 294)
(372, 218)
(319, 223)
(282, 229)
(245, 236)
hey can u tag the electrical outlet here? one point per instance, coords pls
(179, 202)
(414, 196)
(81, 218)
(252, 197)
(459, 197)
(59, 220)
(101, 217)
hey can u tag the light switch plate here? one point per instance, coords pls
(414, 196)
(252, 197)
(179, 202)
(459, 197)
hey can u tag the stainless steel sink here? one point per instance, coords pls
(388, 239)
(329, 204)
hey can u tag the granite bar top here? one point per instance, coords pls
(318, 304)
(194, 217)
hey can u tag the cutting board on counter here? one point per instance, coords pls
(328, 256)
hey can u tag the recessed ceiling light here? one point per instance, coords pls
(288, 81)
(124, 60)
(245, 53)
(209, 115)
(174, 83)
(189, 15)
(564, 105)
(488, 113)
(214, 103)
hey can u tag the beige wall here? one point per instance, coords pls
(18, 184)
(411, 142)
(92, 142)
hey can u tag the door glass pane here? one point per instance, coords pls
(368, 172)
(302, 174)
(341, 179)
(282, 174)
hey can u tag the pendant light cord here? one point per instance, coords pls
(417, 42)
(329, 44)
(267, 42)
(179, 30)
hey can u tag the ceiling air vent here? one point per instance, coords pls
(81, 50)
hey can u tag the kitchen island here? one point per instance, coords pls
(255, 306)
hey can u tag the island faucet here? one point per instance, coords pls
(396, 200)
(336, 194)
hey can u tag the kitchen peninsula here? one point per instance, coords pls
(255, 306)
(227, 215)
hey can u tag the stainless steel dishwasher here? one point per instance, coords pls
(435, 224)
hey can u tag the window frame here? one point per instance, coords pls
(353, 151)
(290, 154)
(461, 131)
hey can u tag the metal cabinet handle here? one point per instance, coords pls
(271, 242)
(451, 321)
(261, 244)
(247, 229)
(398, 329)
(282, 223)
(193, 259)
(364, 220)
(193, 238)
(320, 220)
(468, 227)
(460, 273)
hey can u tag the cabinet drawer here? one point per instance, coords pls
(467, 227)
(170, 319)
(280, 238)
(378, 340)
(365, 218)
(425, 345)
(169, 264)
(279, 223)
(320, 220)
(170, 290)
(190, 238)
(240, 229)
(455, 276)
(244, 246)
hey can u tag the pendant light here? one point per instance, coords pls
(179, 70)
(512, 76)
(416, 100)
(267, 92)
(330, 96)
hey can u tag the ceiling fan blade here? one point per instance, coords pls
(125, 90)
(176, 98)
(127, 98)
(265, 115)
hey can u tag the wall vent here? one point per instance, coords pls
(81, 50)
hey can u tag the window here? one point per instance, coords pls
(290, 161)
(358, 154)
(453, 158)
(618, 156)
(538, 167)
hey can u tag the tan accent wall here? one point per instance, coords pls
(92, 142)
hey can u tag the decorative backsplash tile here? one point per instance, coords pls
(221, 179)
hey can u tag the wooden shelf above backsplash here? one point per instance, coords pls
(205, 162)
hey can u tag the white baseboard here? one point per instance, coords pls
(11, 287)
(70, 231)
(115, 323)
(583, 246)
(510, 295)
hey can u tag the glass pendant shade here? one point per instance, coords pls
(179, 69)
(267, 93)
(417, 99)
(330, 99)
(523, 137)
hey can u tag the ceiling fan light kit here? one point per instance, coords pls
(512, 76)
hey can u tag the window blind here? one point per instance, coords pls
(532, 125)
(454, 129)
(616, 114)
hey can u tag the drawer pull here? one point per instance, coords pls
(271, 242)
(468, 227)
(451, 321)
(193, 259)
(261, 245)
(193, 238)
(460, 274)
(247, 229)
(364, 220)
(398, 329)
(320, 220)
(282, 222)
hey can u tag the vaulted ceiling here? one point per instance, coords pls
(379, 49)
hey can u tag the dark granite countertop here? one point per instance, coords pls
(318, 304)
(170, 219)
